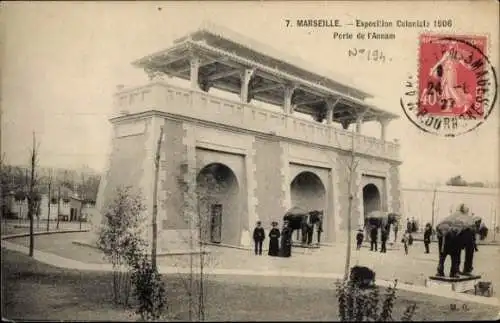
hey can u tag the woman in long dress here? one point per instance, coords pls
(446, 71)
(286, 241)
(274, 243)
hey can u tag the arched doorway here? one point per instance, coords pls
(371, 199)
(217, 194)
(307, 192)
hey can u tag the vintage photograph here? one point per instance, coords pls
(249, 161)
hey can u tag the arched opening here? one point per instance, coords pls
(371, 199)
(308, 193)
(217, 193)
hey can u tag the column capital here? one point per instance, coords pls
(291, 86)
(332, 102)
(384, 121)
(248, 73)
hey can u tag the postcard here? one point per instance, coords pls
(254, 160)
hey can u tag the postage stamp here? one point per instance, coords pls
(456, 86)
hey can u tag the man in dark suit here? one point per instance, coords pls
(373, 238)
(258, 237)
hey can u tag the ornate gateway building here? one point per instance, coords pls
(263, 160)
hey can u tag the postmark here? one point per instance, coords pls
(455, 88)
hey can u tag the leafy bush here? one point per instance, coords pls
(364, 277)
(358, 304)
(149, 290)
(120, 239)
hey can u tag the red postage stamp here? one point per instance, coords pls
(448, 75)
(455, 88)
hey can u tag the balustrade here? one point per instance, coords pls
(200, 105)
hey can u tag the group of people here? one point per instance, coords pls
(277, 248)
(406, 239)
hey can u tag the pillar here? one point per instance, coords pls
(195, 68)
(288, 104)
(383, 128)
(359, 122)
(330, 108)
(246, 76)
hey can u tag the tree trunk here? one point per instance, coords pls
(349, 212)
(58, 205)
(48, 206)
(31, 199)
(155, 202)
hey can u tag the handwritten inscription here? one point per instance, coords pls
(375, 55)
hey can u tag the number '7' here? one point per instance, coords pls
(287, 22)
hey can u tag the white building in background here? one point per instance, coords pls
(483, 202)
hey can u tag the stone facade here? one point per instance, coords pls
(264, 165)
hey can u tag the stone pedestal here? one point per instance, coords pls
(461, 284)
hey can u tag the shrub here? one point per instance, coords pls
(120, 239)
(364, 277)
(358, 304)
(149, 290)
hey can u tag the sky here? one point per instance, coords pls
(61, 63)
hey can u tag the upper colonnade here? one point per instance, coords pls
(213, 57)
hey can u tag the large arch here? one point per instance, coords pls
(219, 204)
(371, 199)
(308, 192)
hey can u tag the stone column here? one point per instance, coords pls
(246, 76)
(383, 128)
(195, 68)
(330, 106)
(288, 105)
(359, 123)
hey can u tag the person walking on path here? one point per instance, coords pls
(373, 238)
(406, 241)
(258, 237)
(427, 237)
(274, 243)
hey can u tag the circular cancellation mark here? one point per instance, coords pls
(456, 87)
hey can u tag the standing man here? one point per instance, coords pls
(396, 228)
(408, 225)
(427, 236)
(384, 231)
(258, 237)
(373, 237)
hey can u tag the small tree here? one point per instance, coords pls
(360, 305)
(149, 290)
(120, 238)
(203, 191)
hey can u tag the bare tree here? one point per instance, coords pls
(49, 201)
(32, 198)
(351, 167)
(155, 202)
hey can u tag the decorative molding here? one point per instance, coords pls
(130, 129)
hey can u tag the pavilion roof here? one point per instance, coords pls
(224, 53)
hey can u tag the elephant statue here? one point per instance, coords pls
(455, 233)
